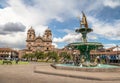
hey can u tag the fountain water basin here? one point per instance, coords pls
(98, 68)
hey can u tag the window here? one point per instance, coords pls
(29, 36)
(29, 48)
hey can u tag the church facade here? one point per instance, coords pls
(39, 43)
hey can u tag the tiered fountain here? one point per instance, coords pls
(85, 47)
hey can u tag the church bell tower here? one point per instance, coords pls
(30, 38)
(48, 35)
(48, 39)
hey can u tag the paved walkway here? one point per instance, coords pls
(103, 76)
(26, 74)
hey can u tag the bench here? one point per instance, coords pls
(7, 62)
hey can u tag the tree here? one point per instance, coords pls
(39, 55)
(31, 56)
(65, 56)
(48, 56)
(26, 56)
(53, 55)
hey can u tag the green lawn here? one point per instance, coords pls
(13, 62)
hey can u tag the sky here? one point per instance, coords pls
(61, 17)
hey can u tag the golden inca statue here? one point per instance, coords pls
(84, 21)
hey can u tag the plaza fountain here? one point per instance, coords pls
(85, 47)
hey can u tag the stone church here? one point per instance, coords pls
(39, 43)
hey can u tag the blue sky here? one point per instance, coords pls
(61, 16)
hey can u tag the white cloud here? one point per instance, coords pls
(56, 46)
(72, 36)
(109, 45)
(112, 3)
(16, 40)
(69, 38)
(40, 29)
(92, 36)
(107, 30)
(29, 15)
(8, 15)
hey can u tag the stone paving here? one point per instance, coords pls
(26, 74)
(103, 76)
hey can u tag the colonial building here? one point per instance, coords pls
(8, 52)
(39, 43)
(112, 51)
